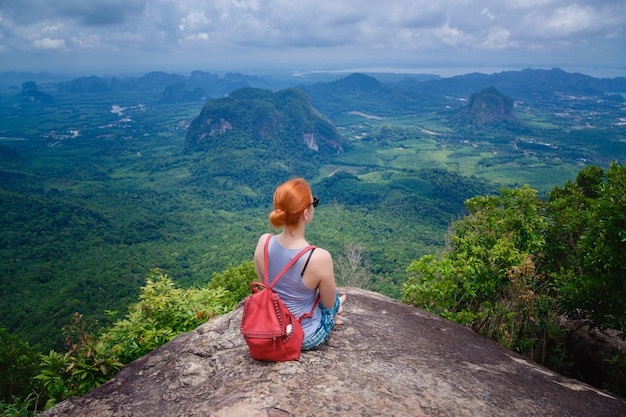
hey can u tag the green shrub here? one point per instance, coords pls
(236, 281)
(87, 364)
(162, 313)
(20, 407)
(490, 279)
(19, 363)
(587, 250)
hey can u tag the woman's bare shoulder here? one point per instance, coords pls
(322, 255)
(261, 242)
(264, 237)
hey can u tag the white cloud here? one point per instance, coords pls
(202, 36)
(329, 31)
(85, 41)
(452, 36)
(193, 21)
(498, 38)
(47, 43)
(486, 12)
(576, 21)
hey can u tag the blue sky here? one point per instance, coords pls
(118, 37)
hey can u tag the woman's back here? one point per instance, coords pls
(294, 208)
(298, 298)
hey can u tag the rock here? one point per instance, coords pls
(387, 359)
(596, 355)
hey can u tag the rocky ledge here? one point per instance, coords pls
(387, 359)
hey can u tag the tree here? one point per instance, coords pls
(491, 276)
(19, 363)
(587, 246)
(352, 270)
(516, 266)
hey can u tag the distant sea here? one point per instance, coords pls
(446, 72)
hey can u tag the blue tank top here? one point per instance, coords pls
(298, 298)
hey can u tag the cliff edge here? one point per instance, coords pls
(387, 359)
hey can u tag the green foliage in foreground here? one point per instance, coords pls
(236, 282)
(161, 313)
(20, 407)
(516, 264)
(489, 279)
(19, 364)
(587, 246)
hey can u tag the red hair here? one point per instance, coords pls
(290, 200)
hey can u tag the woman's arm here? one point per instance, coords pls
(259, 261)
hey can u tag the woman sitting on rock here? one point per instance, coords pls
(294, 208)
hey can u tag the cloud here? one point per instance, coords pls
(47, 43)
(564, 22)
(329, 31)
(498, 38)
(100, 12)
(85, 13)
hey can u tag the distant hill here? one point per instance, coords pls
(210, 84)
(284, 120)
(176, 93)
(261, 137)
(360, 92)
(487, 109)
(17, 78)
(91, 84)
(382, 94)
(366, 94)
(36, 96)
(528, 84)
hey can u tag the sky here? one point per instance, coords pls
(447, 37)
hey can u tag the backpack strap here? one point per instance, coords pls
(310, 313)
(286, 268)
(289, 265)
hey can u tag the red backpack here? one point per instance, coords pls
(271, 331)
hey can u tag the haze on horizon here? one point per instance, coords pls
(448, 37)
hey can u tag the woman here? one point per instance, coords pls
(312, 274)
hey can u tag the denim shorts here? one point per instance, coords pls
(328, 321)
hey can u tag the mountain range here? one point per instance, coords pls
(527, 84)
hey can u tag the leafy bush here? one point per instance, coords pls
(87, 364)
(19, 362)
(587, 250)
(490, 278)
(162, 312)
(236, 281)
(516, 266)
(20, 407)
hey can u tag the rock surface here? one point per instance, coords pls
(387, 359)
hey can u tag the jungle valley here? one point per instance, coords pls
(104, 179)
